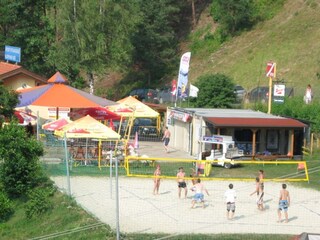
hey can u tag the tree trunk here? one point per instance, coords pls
(193, 14)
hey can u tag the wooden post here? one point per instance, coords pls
(218, 133)
(254, 131)
(291, 151)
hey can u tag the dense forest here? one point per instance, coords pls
(133, 43)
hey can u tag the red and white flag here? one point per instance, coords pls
(174, 87)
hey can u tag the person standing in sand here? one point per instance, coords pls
(199, 188)
(156, 180)
(284, 203)
(261, 179)
(230, 196)
(181, 182)
(166, 139)
(260, 194)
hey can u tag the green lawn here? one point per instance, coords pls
(66, 219)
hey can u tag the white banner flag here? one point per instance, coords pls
(193, 92)
(183, 75)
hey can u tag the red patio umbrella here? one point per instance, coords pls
(24, 118)
(55, 125)
(98, 113)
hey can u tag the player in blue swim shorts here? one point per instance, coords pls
(284, 203)
(199, 196)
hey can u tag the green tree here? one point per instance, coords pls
(233, 15)
(296, 108)
(8, 101)
(92, 36)
(156, 40)
(237, 15)
(25, 24)
(215, 91)
(20, 170)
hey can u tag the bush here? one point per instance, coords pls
(20, 170)
(38, 202)
(6, 207)
(215, 91)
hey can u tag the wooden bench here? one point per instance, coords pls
(273, 157)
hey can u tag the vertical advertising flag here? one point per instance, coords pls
(183, 75)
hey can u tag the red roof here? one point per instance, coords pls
(7, 67)
(256, 122)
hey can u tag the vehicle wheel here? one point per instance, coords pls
(227, 165)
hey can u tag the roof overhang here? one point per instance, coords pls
(22, 71)
(255, 122)
(157, 107)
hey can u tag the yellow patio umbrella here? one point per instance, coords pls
(90, 128)
(87, 127)
(138, 109)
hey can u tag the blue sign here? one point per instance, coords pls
(12, 54)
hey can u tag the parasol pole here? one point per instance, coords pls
(99, 154)
(120, 125)
(85, 162)
(111, 174)
(57, 113)
(67, 164)
(117, 200)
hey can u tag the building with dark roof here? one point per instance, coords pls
(254, 132)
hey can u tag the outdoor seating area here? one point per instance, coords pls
(85, 152)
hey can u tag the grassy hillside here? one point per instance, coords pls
(291, 39)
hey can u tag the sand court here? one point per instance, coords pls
(141, 211)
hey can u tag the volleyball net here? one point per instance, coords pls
(241, 170)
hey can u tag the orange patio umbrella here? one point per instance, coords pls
(58, 94)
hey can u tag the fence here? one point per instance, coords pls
(95, 189)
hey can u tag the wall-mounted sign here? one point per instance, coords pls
(63, 112)
(12, 54)
(184, 117)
